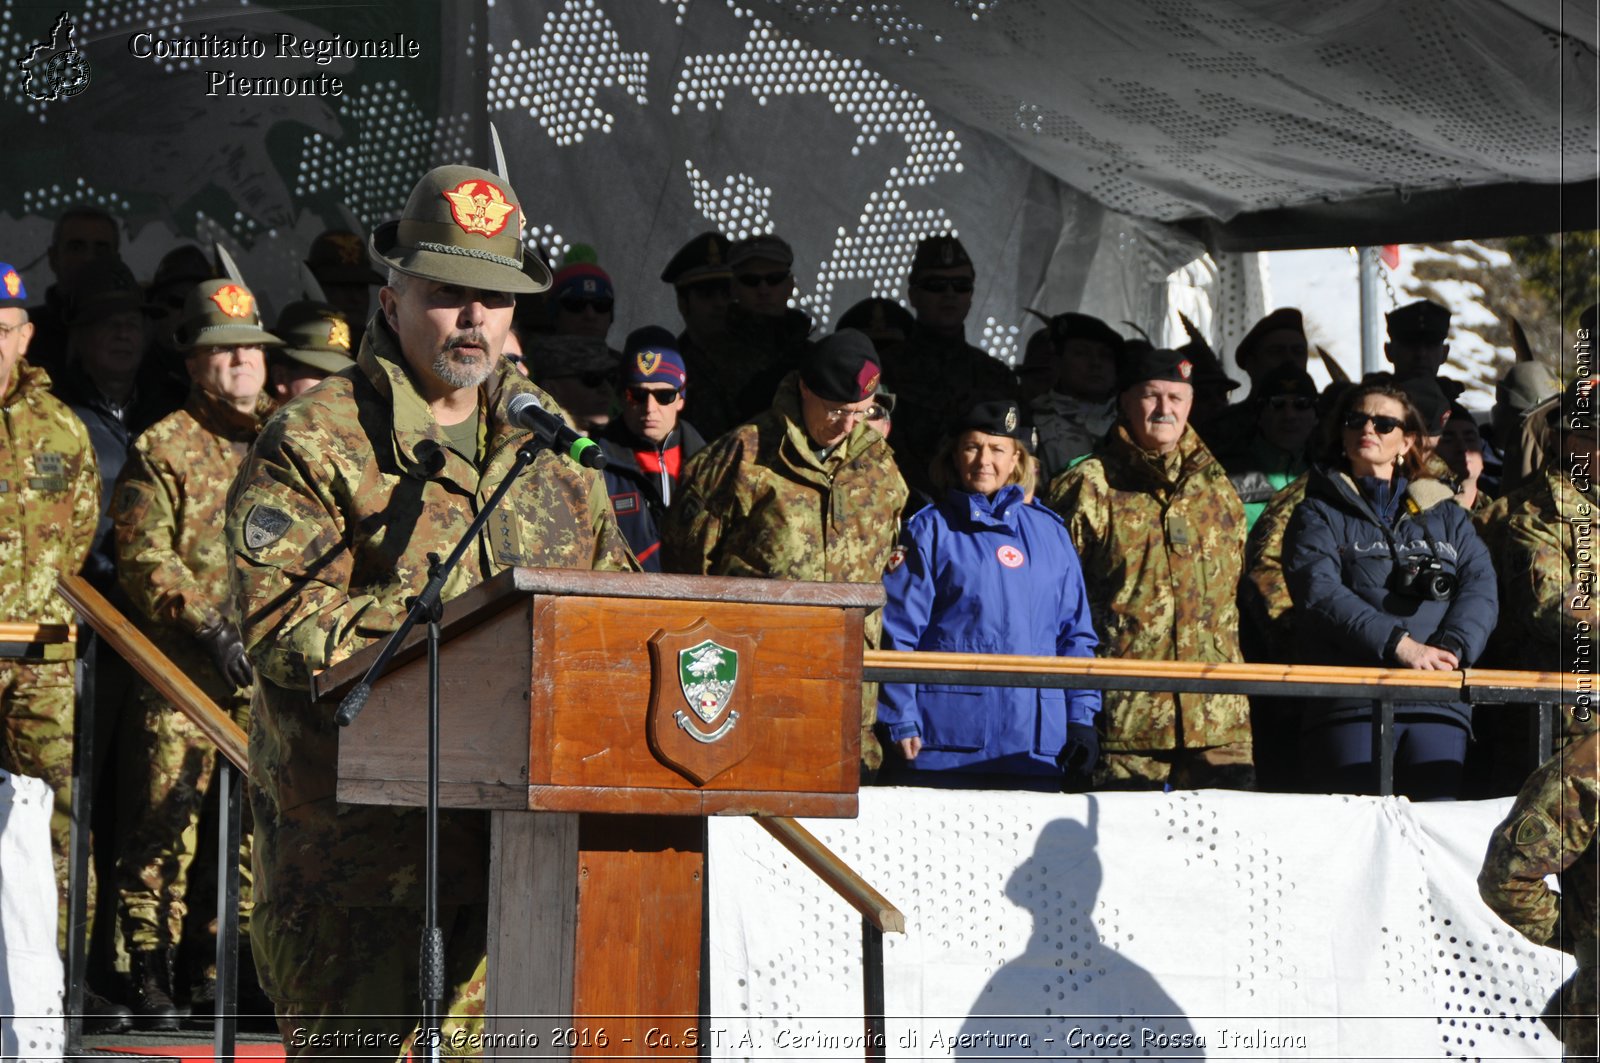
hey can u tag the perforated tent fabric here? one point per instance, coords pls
(1199, 924)
(1083, 151)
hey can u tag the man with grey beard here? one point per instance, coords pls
(348, 490)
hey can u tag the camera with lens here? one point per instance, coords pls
(1425, 578)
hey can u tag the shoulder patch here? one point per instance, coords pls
(897, 557)
(264, 525)
(130, 504)
(1534, 828)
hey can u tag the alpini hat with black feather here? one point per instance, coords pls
(462, 225)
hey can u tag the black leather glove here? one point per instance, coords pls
(1078, 756)
(223, 642)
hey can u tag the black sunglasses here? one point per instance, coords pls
(1381, 424)
(638, 396)
(574, 304)
(940, 285)
(755, 280)
(1284, 402)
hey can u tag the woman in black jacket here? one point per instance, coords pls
(1385, 570)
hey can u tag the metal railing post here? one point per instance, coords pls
(872, 989)
(1383, 746)
(76, 931)
(225, 1020)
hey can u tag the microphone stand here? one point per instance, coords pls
(429, 607)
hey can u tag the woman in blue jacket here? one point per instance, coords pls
(984, 570)
(1386, 570)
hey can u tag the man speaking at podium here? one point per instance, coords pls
(347, 490)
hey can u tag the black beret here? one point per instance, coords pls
(998, 417)
(703, 258)
(843, 367)
(1286, 317)
(1153, 363)
(939, 252)
(878, 314)
(1064, 327)
(1419, 322)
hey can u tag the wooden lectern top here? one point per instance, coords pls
(576, 691)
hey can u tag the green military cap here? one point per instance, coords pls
(462, 225)
(339, 256)
(107, 286)
(1423, 321)
(222, 313)
(315, 334)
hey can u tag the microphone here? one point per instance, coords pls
(525, 411)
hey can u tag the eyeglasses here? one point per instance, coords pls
(837, 414)
(940, 285)
(877, 413)
(573, 304)
(638, 396)
(756, 280)
(1356, 421)
(1286, 402)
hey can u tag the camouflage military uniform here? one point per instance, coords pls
(49, 505)
(758, 502)
(1537, 538)
(1551, 831)
(329, 525)
(1264, 604)
(1162, 542)
(167, 510)
(935, 379)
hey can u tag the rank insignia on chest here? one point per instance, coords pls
(50, 463)
(264, 525)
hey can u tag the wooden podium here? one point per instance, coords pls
(600, 717)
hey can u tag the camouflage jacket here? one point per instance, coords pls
(1266, 611)
(758, 502)
(935, 379)
(346, 491)
(1162, 545)
(167, 513)
(1551, 831)
(1542, 601)
(49, 501)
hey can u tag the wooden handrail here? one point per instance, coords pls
(157, 669)
(38, 634)
(1457, 683)
(827, 866)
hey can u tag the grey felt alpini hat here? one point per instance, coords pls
(222, 313)
(315, 334)
(462, 225)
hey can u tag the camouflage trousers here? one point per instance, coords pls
(173, 766)
(1571, 1015)
(37, 703)
(1226, 767)
(344, 980)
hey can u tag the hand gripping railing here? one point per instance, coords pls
(1385, 686)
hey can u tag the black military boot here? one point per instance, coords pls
(101, 1016)
(151, 973)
